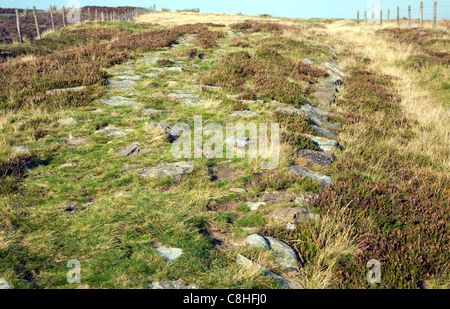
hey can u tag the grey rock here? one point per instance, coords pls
(67, 121)
(4, 284)
(309, 113)
(191, 101)
(170, 285)
(334, 80)
(323, 180)
(113, 131)
(257, 241)
(317, 111)
(237, 190)
(20, 150)
(184, 95)
(292, 215)
(232, 96)
(169, 254)
(252, 206)
(285, 283)
(333, 69)
(163, 129)
(75, 141)
(308, 61)
(97, 110)
(120, 83)
(239, 141)
(170, 69)
(244, 113)
(316, 157)
(325, 132)
(324, 144)
(153, 75)
(175, 170)
(131, 150)
(68, 165)
(121, 101)
(129, 77)
(62, 90)
(151, 111)
(127, 167)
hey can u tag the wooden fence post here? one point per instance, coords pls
(373, 18)
(388, 13)
(95, 16)
(434, 14)
(18, 26)
(421, 14)
(36, 22)
(51, 17)
(409, 16)
(89, 14)
(365, 17)
(381, 17)
(64, 16)
(357, 17)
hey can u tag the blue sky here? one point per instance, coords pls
(280, 8)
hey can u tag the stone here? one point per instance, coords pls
(237, 190)
(323, 180)
(162, 128)
(4, 284)
(75, 141)
(121, 101)
(285, 283)
(334, 80)
(113, 131)
(309, 113)
(129, 77)
(173, 69)
(334, 70)
(292, 215)
(170, 285)
(68, 165)
(308, 61)
(97, 110)
(153, 75)
(175, 170)
(120, 83)
(252, 206)
(191, 102)
(324, 96)
(257, 241)
(67, 121)
(184, 95)
(238, 141)
(70, 208)
(316, 157)
(20, 150)
(127, 167)
(232, 96)
(324, 144)
(169, 254)
(151, 111)
(323, 131)
(62, 90)
(244, 113)
(131, 150)
(315, 110)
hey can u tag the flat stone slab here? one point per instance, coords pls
(129, 77)
(170, 285)
(121, 101)
(252, 206)
(113, 131)
(245, 113)
(175, 170)
(324, 144)
(308, 61)
(121, 83)
(334, 80)
(169, 254)
(184, 95)
(67, 121)
(153, 75)
(285, 283)
(75, 141)
(309, 113)
(131, 150)
(169, 69)
(202, 86)
(62, 90)
(316, 157)
(237, 190)
(324, 96)
(292, 215)
(323, 131)
(4, 284)
(333, 69)
(20, 150)
(151, 111)
(165, 129)
(239, 141)
(323, 180)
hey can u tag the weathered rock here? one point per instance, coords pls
(62, 90)
(153, 75)
(129, 77)
(323, 180)
(4, 284)
(292, 215)
(238, 190)
(68, 165)
(120, 83)
(184, 95)
(244, 113)
(20, 150)
(309, 113)
(285, 283)
(317, 111)
(252, 206)
(164, 129)
(316, 157)
(324, 96)
(334, 80)
(308, 61)
(285, 255)
(70, 208)
(175, 170)
(169, 254)
(170, 285)
(67, 121)
(113, 131)
(127, 167)
(151, 111)
(324, 144)
(121, 101)
(75, 141)
(131, 150)
(323, 131)
(333, 69)
(173, 69)
(239, 141)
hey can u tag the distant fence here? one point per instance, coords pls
(417, 11)
(73, 16)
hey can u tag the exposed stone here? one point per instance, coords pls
(292, 215)
(333, 69)
(244, 113)
(285, 283)
(239, 141)
(151, 111)
(62, 90)
(316, 157)
(252, 206)
(153, 75)
(184, 95)
(127, 167)
(75, 141)
(4, 284)
(169, 254)
(315, 110)
(308, 61)
(174, 69)
(323, 180)
(175, 170)
(129, 77)
(308, 112)
(324, 144)
(121, 101)
(120, 83)
(67, 121)
(113, 131)
(257, 241)
(131, 150)
(164, 129)
(323, 131)
(70, 208)
(237, 190)
(324, 96)
(170, 285)
(68, 165)
(20, 150)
